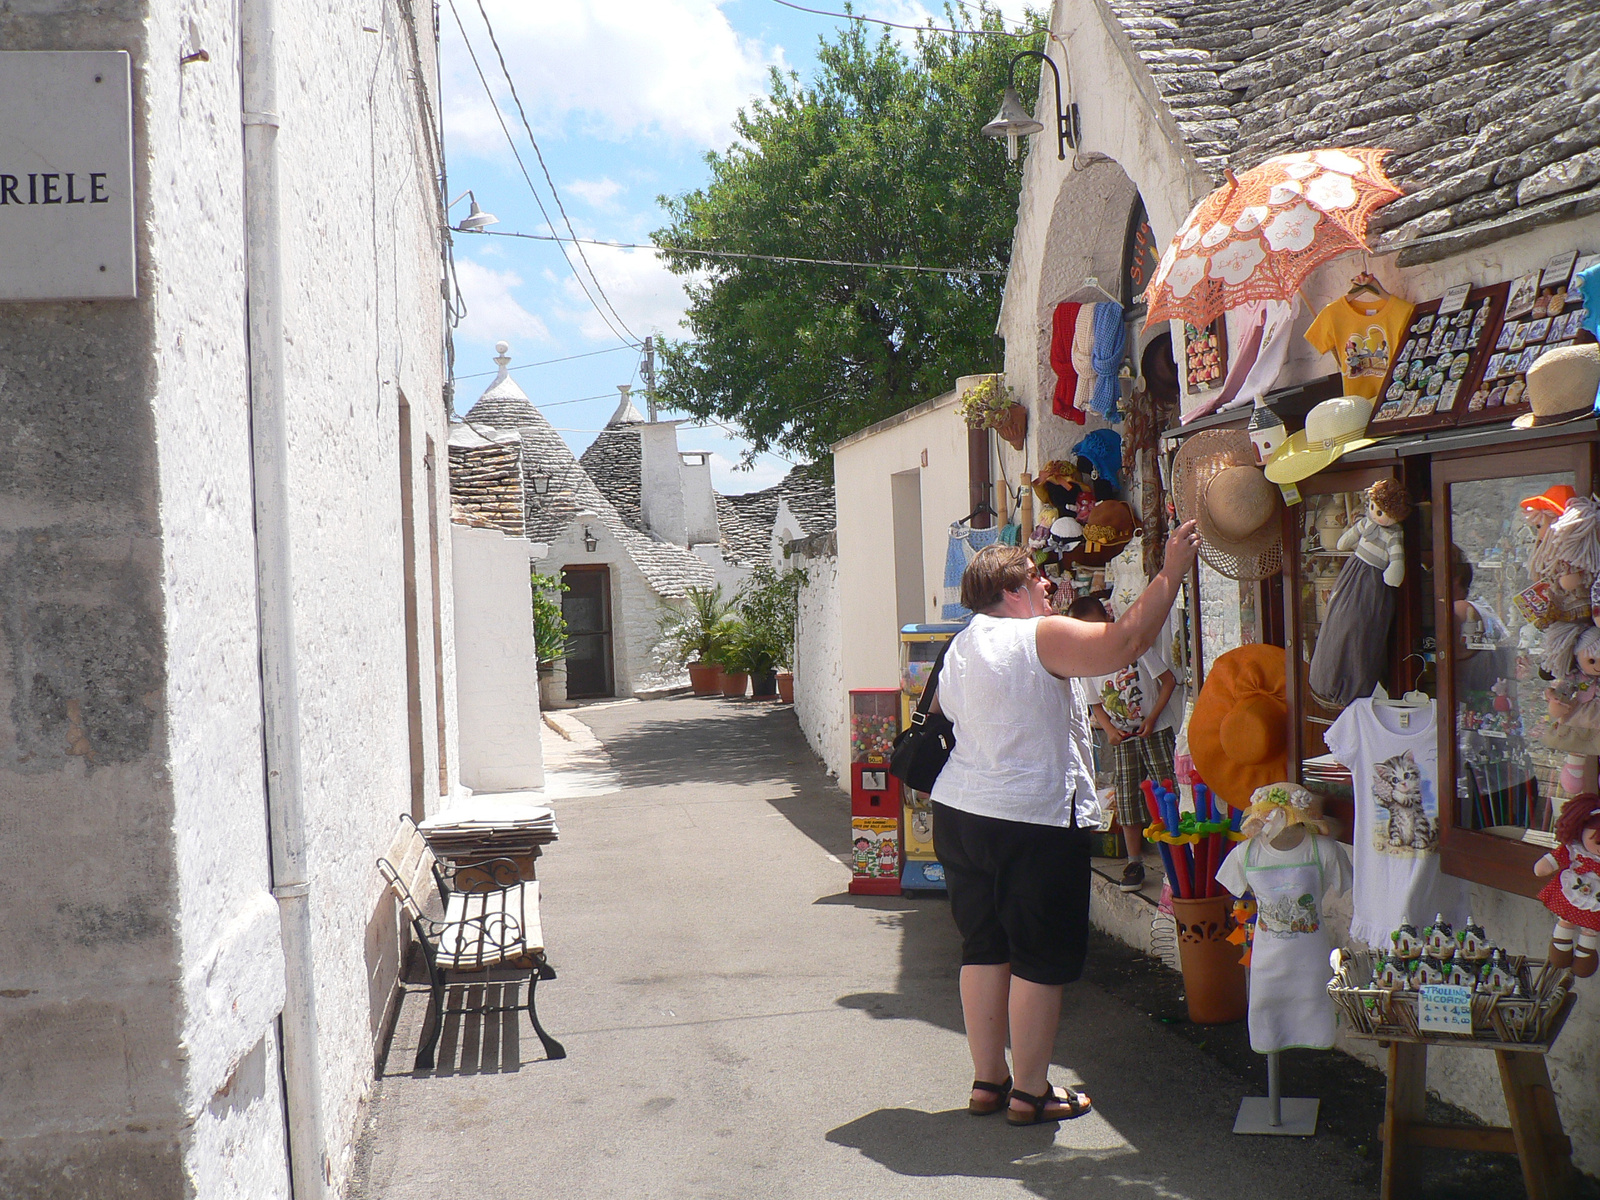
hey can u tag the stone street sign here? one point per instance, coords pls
(66, 176)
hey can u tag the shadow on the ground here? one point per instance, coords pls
(684, 740)
(470, 1043)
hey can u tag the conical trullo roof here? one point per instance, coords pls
(626, 413)
(503, 404)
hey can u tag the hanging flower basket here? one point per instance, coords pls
(990, 404)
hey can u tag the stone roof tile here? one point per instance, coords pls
(1493, 106)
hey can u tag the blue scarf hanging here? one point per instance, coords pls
(1109, 337)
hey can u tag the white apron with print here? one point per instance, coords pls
(1289, 972)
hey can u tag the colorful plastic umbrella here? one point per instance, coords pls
(1258, 236)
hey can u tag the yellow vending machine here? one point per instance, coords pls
(919, 646)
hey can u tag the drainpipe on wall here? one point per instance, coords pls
(280, 703)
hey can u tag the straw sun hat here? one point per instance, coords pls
(1215, 481)
(1333, 428)
(1562, 386)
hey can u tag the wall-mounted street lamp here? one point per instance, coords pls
(590, 542)
(1015, 121)
(476, 218)
(541, 484)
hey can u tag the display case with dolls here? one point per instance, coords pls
(1518, 543)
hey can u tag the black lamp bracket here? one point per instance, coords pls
(1067, 127)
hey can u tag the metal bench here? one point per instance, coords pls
(488, 922)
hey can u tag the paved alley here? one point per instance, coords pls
(738, 1025)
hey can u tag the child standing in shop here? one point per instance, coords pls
(1131, 708)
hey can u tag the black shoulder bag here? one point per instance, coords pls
(921, 751)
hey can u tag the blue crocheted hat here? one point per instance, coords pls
(1103, 449)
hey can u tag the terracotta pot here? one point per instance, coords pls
(764, 685)
(1013, 427)
(786, 687)
(703, 678)
(1213, 977)
(733, 684)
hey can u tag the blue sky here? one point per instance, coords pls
(625, 97)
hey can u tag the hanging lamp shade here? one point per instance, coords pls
(1013, 121)
(477, 219)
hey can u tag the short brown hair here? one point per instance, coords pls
(992, 571)
(1088, 608)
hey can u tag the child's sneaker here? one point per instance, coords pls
(1133, 876)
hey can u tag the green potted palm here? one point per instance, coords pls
(757, 653)
(690, 635)
(769, 603)
(728, 649)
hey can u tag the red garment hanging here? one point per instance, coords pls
(1062, 327)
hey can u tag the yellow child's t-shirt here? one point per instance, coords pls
(1363, 338)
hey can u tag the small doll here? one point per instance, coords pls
(1574, 894)
(1352, 646)
(1572, 657)
(1567, 559)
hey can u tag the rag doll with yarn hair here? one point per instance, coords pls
(1352, 646)
(1572, 658)
(1566, 560)
(1573, 895)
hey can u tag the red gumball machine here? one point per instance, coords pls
(874, 793)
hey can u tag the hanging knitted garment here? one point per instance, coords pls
(1062, 326)
(1109, 339)
(1083, 356)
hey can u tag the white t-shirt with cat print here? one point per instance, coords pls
(1393, 756)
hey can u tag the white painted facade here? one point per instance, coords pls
(900, 484)
(820, 703)
(1071, 223)
(497, 671)
(147, 968)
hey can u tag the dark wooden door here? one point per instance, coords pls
(586, 605)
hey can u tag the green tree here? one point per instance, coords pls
(880, 159)
(549, 626)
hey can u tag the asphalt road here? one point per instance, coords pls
(738, 1025)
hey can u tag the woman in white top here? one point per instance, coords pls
(1013, 804)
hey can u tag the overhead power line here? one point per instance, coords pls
(624, 334)
(844, 16)
(539, 154)
(778, 258)
(546, 362)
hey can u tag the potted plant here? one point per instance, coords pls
(770, 603)
(756, 652)
(549, 631)
(728, 649)
(690, 634)
(990, 404)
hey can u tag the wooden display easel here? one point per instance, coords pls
(1534, 1136)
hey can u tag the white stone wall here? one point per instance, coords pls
(152, 991)
(863, 467)
(497, 683)
(820, 704)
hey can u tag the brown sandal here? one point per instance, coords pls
(1000, 1091)
(1077, 1103)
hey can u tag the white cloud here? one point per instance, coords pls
(649, 298)
(674, 68)
(493, 312)
(597, 192)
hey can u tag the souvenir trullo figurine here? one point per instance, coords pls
(1574, 894)
(1290, 863)
(1352, 647)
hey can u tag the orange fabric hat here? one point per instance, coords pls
(1239, 731)
(1551, 500)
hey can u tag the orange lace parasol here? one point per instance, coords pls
(1258, 236)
